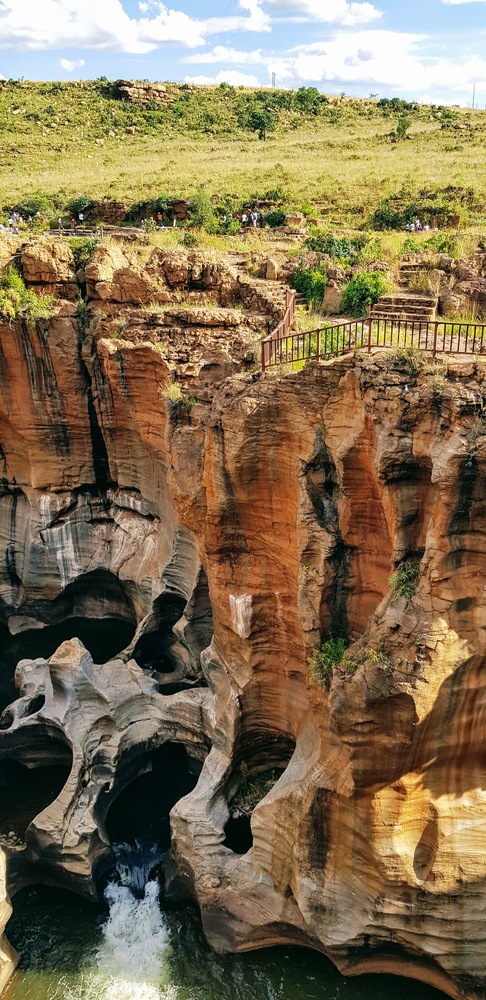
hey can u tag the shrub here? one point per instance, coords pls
(391, 214)
(79, 204)
(202, 212)
(82, 250)
(362, 292)
(275, 218)
(252, 789)
(402, 127)
(345, 250)
(404, 582)
(442, 243)
(16, 299)
(387, 217)
(308, 99)
(173, 393)
(39, 203)
(323, 660)
(189, 239)
(413, 245)
(311, 282)
(408, 359)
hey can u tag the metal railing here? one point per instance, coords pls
(281, 331)
(434, 337)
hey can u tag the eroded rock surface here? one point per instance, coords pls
(234, 535)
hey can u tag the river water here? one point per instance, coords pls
(73, 951)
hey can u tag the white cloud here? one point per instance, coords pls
(232, 76)
(104, 24)
(69, 65)
(377, 59)
(327, 11)
(220, 53)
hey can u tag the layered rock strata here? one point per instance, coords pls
(346, 499)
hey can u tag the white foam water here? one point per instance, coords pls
(129, 964)
(134, 936)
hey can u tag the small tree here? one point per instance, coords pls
(402, 127)
(202, 212)
(261, 120)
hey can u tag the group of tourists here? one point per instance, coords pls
(249, 218)
(13, 223)
(417, 227)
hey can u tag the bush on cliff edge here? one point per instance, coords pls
(16, 299)
(362, 292)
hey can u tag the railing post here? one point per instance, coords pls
(263, 355)
(369, 336)
(434, 346)
(318, 345)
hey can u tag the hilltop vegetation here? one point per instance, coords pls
(358, 162)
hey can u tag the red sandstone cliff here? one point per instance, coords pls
(277, 512)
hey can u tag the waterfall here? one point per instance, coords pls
(135, 865)
(135, 937)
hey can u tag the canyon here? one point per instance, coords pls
(178, 533)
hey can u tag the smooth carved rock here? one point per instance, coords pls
(109, 715)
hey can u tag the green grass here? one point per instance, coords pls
(323, 660)
(72, 139)
(405, 580)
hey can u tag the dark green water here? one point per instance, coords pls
(71, 951)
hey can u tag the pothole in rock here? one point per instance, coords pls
(25, 791)
(159, 651)
(141, 809)
(254, 780)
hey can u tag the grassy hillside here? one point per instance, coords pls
(335, 157)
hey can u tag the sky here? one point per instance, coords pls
(433, 51)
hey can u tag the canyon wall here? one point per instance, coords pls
(236, 533)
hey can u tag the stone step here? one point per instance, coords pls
(401, 318)
(411, 310)
(425, 307)
(401, 302)
(403, 298)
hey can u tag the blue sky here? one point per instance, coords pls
(428, 50)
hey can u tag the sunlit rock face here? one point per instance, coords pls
(228, 539)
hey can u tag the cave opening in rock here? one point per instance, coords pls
(104, 638)
(261, 758)
(26, 790)
(238, 835)
(152, 651)
(96, 608)
(141, 809)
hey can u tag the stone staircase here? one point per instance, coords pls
(258, 294)
(412, 307)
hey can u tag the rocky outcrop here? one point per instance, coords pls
(459, 282)
(234, 536)
(140, 91)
